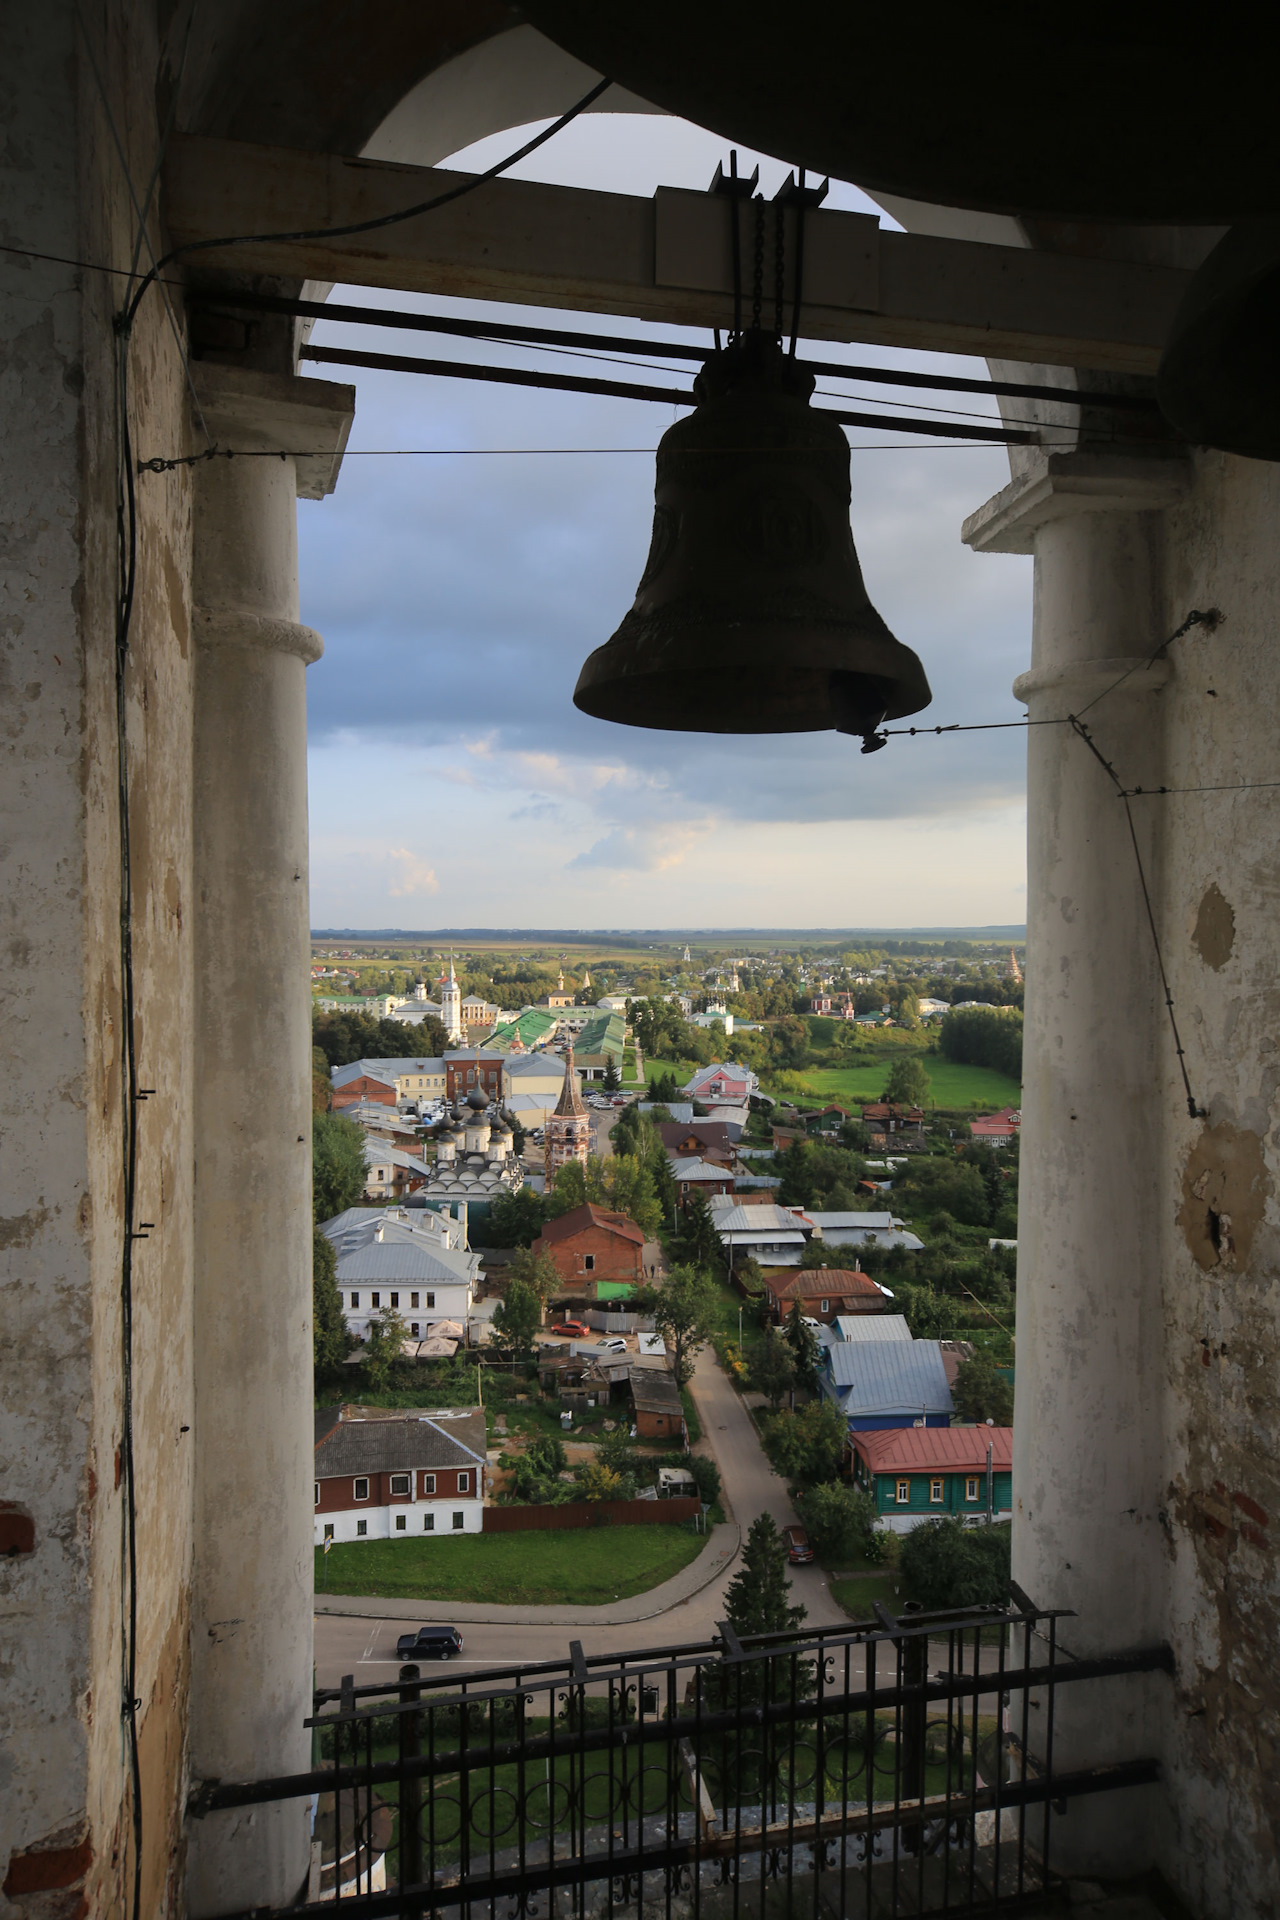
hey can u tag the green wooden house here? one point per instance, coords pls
(923, 1473)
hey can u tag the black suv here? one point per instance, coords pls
(429, 1643)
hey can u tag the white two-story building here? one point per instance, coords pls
(409, 1261)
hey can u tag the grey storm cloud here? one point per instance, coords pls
(459, 595)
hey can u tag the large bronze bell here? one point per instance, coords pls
(751, 615)
(1219, 379)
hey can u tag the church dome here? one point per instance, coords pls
(477, 1101)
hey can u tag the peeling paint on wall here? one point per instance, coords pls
(1224, 1191)
(1214, 936)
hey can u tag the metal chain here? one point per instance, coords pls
(779, 265)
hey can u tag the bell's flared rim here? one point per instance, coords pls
(679, 671)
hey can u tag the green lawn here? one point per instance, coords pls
(587, 1565)
(951, 1085)
(858, 1594)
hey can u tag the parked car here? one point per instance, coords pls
(572, 1329)
(429, 1643)
(616, 1345)
(798, 1549)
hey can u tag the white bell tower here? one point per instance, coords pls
(451, 1006)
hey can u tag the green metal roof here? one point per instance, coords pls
(603, 1033)
(533, 1026)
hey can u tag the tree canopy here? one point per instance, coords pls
(538, 1271)
(343, 1037)
(946, 1564)
(977, 1037)
(683, 1310)
(518, 1315)
(818, 1174)
(622, 1183)
(907, 1084)
(773, 1367)
(807, 1446)
(383, 1347)
(515, 1219)
(337, 1164)
(982, 1393)
(331, 1342)
(839, 1521)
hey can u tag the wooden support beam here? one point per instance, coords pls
(664, 259)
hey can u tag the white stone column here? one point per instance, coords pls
(252, 1600)
(1089, 1453)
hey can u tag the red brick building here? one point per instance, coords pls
(590, 1245)
(656, 1406)
(381, 1092)
(464, 1072)
(824, 1292)
(382, 1474)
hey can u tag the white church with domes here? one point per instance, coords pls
(476, 1157)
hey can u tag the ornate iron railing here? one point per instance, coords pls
(898, 1766)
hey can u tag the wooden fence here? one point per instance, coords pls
(593, 1513)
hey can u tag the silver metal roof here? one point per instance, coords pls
(871, 1326)
(888, 1377)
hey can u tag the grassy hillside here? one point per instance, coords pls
(952, 1085)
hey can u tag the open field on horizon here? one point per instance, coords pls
(646, 939)
(951, 1085)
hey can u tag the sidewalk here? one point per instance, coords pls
(711, 1565)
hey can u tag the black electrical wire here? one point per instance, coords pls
(127, 553)
(1211, 619)
(1230, 786)
(162, 465)
(1194, 1109)
(379, 221)
(127, 568)
(519, 333)
(624, 390)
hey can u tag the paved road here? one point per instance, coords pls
(366, 1647)
(750, 1484)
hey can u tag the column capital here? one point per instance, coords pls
(1080, 682)
(236, 627)
(1061, 485)
(273, 412)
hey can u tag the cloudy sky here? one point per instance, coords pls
(453, 782)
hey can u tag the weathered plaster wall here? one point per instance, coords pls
(63, 1767)
(1220, 1210)
(1147, 1433)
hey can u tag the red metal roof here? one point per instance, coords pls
(578, 1219)
(935, 1449)
(813, 1283)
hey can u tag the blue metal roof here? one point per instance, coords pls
(889, 1377)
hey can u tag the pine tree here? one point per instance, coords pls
(757, 1599)
(803, 1342)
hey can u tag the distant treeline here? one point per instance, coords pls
(975, 1038)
